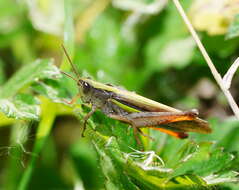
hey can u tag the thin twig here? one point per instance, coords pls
(227, 78)
(213, 69)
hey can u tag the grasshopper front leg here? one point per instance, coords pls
(73, 100)
(85, 119)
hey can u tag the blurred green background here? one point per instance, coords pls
(141, 45)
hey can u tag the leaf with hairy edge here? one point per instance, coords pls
(25, 106)
(52, 89)
(22, 106)
(192, 166)
(204, 162)
(39, 69)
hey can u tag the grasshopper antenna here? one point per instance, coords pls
(69, 76)
(72, 65)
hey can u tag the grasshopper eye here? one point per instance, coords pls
(85, 86)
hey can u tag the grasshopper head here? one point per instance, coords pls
(85, 90)
(84, 86)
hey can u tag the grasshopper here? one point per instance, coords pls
(137, 111)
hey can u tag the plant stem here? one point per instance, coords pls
(213, 69)
(43, 130)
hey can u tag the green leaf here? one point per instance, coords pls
(2, 74)
(230, 176)
(113, 172)
(22, 106)
(204, 162)
(229, 135)
(106, 50)
(234, 28)
(193, 166)
(177, 53)
(190, 180)
(219, 46)
(225, 134)
(68, 34)
(87, 167)
(53, 89)
(39, 69)
(171, 47)
(230, 186)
